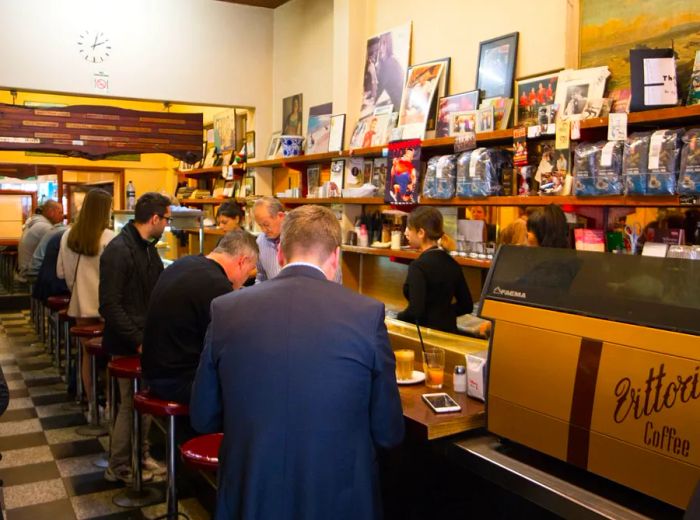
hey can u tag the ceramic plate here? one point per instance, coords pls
(418, 377)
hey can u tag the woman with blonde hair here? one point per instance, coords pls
(79, 263)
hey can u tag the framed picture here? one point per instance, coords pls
(454, 103)
(228, 189)
(313, 178)
(225, 130)
(318, 134)
(496, 66)
(576, 87)
(386, 62)
(533, 92)
(485, 120)
(442, 89)
(248, 186)
(292, 118)
(273, 148)
(421, 84)
(337, 133)
(463, 122)
(354, 173)
(336, 181)
(367, 171)
(250, 145)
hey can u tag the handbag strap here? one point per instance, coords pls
(75, 280)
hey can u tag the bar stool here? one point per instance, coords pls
(65, 323)
(55, 304)
(86, 332)
(146, 403)
(137, 495)
(93, 347)
(202, 452)
(9, 263)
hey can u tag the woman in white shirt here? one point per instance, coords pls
(79, 263)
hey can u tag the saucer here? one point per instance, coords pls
(418, 377)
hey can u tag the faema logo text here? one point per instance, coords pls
(660, 391)
(507, 292)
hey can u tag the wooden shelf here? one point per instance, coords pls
(333, 200)
(200, 202)
(649, 117)
(412, 254)
(207, 231)
(208, 172)
(543, 200)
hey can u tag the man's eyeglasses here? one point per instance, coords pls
(167, 219)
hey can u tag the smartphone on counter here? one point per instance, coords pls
(441, 403)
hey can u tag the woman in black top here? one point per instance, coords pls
(435, 287)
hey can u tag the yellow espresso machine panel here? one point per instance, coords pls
(595, 360)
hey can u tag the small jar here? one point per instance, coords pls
(459, 379)
(396, 239)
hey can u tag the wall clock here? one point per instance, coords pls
(94, 46)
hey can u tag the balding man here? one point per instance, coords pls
(50, 218)
(269, 215)
(299, 375)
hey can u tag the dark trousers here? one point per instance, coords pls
(178, 390)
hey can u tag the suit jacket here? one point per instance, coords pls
(299, 374)
(434, 280)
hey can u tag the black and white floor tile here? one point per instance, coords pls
(47, 469)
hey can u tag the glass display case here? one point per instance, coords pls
(169, 244)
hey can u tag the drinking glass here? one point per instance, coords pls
(434, 365)
(404, 364)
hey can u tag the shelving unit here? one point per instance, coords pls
(214, 171)
(412, 254)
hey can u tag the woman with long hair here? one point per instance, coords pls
(548, 228)
(435, 287)
(79, 263)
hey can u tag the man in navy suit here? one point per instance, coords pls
(299, 375)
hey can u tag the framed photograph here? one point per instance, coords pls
(292, 118)
(485, 120)
(225, 130)
(442, 89)
(318, 134)
(337, 133)
(210, 156)
(454, 103)
(313, 178)
(386, 62)
(250, 145)
(273, 148)
(502, 108)
(336, 181)
(496, 66)
(533, 92)
(576, 87)
(367, 171)
(421, 84)
(248, 186)
(463, 122)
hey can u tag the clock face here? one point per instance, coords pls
(94, 46)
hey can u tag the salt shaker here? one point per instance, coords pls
(459, 379)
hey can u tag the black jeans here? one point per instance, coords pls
(178, 390)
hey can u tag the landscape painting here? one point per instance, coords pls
(608, 30)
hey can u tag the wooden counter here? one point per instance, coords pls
(423, 422)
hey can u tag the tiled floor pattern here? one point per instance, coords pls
(46, 468)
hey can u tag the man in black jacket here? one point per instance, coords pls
(129, 269)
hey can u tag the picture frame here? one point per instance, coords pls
(575, 87)
(250, 144)
(496, 66)
(337, 133)
(313, 178)
(292, 115)
(336, 180)
(533, 92)
(422, 81)
(274, 146)
(463, 122)
(456, 102)
(485, 120)
(229, 189)
(249, 185)
(442, 90)
(225, 130)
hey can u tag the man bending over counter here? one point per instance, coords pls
(178, 313)
(299, 375)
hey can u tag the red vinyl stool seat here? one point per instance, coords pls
(56, 303)
(125, 367)
(146, 403)
(87, 331)
(202, 452)
(63, 316)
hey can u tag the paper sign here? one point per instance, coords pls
(465, 142)
(617, 126)
(607, 154)
(100, 83)
(563, 138)
(657, 140)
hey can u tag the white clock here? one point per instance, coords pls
(94, 46)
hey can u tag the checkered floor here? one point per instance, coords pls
(47, 469)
